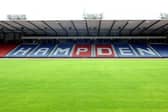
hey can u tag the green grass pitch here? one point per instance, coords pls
(83, 85)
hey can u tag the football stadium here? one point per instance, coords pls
(83, 65)
(84, 38)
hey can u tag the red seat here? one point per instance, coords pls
(6, 48)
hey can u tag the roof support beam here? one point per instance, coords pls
(87, 29)
(159, 27)
(130, 33)
(44, 22)
(112, 25)
(62, 27)
(13, 27)
(123, 28)
(23, 26)
(143, 30)
(37, 27)
(165, 32)
(77, 33)
(99, 27)
(6, 28)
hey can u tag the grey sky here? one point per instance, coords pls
(73, 9)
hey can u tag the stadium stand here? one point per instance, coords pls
(162, 49)
(86, 48)
(84, 38)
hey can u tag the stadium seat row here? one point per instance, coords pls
(87, 50)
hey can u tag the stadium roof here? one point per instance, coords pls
(87, 27)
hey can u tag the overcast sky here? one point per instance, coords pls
(73, 9)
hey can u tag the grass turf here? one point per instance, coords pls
(84, 85)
